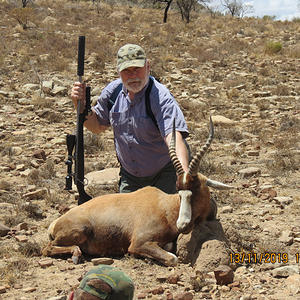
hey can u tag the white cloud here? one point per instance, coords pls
(282, 9)
(289, 17)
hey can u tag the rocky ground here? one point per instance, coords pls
(217, 66)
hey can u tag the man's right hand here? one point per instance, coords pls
(78, 92)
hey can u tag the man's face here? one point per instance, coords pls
(135, 78)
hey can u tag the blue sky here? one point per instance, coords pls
(282, 9)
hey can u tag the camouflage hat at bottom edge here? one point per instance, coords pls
(121, 284)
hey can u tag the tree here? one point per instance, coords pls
(25, 2)
(213, 10)
(22, 15)
(237, 8)
(186, 6)
(168, 4)
(16, 3)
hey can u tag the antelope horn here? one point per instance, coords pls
(194, 164)
(172, 152)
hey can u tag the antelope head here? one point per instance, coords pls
(188, 184)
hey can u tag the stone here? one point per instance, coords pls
(46, 262)
(227, 209)
(119, 15)
(47, 86)
(39, 153)
(184, 296)
(103, 176)
(4, 230)
(248, 172)
(58, 298)
(224, 275)
(102, 261)
(173, 278)
(29, 289)
(36, 194)
(21, 226)
(252, 153)
(17, 150)
(214, 244)
(20, 167)
(283, 200)
(59, 90)
(49, 21)
(24, 101)
(157, 290)
(221, 120)
(29, 87)
(293, 283)
(21, 238)
(285, 271)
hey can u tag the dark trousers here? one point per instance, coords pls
(164, 180)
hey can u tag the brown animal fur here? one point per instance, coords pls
(141, 223)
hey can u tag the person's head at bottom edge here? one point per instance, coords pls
(104, 282)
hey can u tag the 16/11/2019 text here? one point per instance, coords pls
(255, 258)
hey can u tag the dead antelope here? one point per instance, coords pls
(141, 223)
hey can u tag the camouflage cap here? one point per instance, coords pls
(130, 55)
(121, 284)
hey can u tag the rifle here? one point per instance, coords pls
(77, 141)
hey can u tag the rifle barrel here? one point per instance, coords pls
(81, 50)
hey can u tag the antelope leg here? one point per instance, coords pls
(151, 249)
(51, 250)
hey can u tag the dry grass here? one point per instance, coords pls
(94, 143)
(283, 163)
(38, 50)
(12, 269)
(44, 174)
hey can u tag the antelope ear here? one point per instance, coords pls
(218, 185)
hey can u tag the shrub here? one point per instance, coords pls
(22, 15)
(273, 47)
(296, 19)
(269, 18)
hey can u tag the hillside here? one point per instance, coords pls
(242, 72)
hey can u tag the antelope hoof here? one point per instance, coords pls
(172, 262)
(75, 259)
(76, 254)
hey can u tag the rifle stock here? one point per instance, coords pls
(78, 140)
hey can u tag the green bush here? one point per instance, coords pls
(274, 48)
(296, 19)
(270, 18)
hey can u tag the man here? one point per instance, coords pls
(141, 146)
(104, 282)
